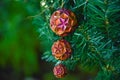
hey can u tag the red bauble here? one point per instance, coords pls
(62, 22)
(60, 71)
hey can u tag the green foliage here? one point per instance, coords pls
(96, 41)
(18, 38)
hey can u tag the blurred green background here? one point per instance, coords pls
(21, 48)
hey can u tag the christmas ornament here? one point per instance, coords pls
(60, 71)
(62, 22)
(61, 49)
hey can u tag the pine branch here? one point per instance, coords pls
(95, 42)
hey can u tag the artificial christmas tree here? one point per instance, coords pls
(95, 42)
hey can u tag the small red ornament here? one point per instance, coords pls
(60, 71)
(61, 49)
(62, 22)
